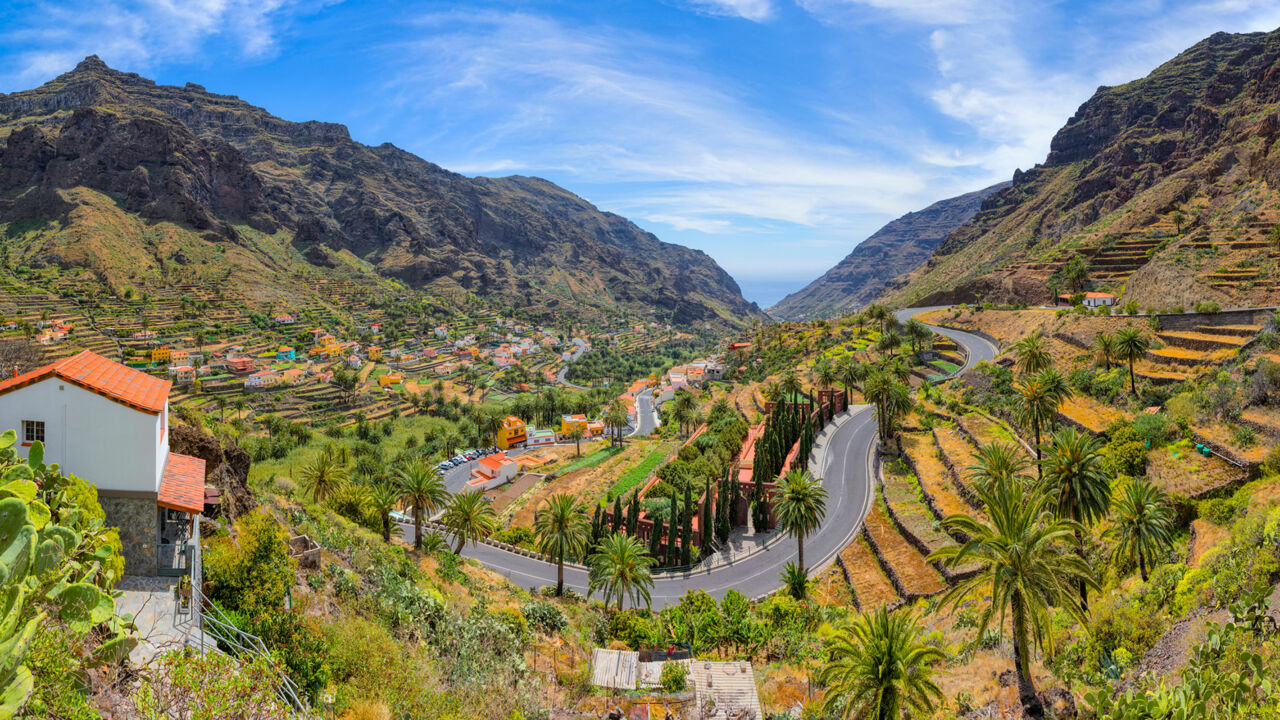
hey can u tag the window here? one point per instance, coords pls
(32, 431)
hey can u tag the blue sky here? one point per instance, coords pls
(773, 134)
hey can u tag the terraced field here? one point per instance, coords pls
(934, 477)
(1089, 413)
(868, 582)
(917, 577)
(957, 450)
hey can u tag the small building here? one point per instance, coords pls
(162, 354)
(109, 424)
(374, 352)
(182, 374)
(570, 422)
(284, 319)
(286, 353)
(292, 376)
(262, 379)
(539, 438)
(1089, 299)
(354, 362)
(390, 379)
(595, 428)
(492, 471)
(512, 433)
(240, 364)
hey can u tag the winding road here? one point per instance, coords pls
(978, 348)
(846, 453)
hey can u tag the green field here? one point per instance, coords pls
(591, 460)
(637, 474)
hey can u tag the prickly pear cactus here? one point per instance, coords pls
(52, 555)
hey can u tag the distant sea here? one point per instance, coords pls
(767, 291)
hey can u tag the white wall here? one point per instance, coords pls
(111, 445)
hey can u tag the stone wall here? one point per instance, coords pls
(138, 522)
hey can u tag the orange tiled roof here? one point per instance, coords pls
(182, 485)
(107, 378)
(494, 462)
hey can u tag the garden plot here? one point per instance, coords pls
(1223, 435)
(866, 579)
(1181, 471)
(903, 496)
(918, 577)
(831, 589)
(1089, 413)
(956, 449)
(588, 484)
(986, 431)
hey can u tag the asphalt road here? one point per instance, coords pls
(979, 348)
(848, 479)
(646, 414)
(564, 369)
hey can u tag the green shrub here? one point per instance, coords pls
(1208, 307)
(674, 675)
(250, 572)
(300, 648)
(544, 617)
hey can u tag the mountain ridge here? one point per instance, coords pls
(215, 163)
(896, 248)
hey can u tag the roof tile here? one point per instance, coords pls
(108, 378)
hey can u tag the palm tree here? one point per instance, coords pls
(1026, 570)
(1142, 524)
(852, 373)
(1077, 485)
(918, 333)
(1036, 408)
(1104, 349)
(323, 476)
(384, 497)
(684, 405)
(1031, 355)
(617, 417)
(892, 400)
(795, 580)
(997, 462)
(1131, 345)
(789, 386)
(889, 342)
(469, 516)
(826, 373)
(801, 505)
(878, 314)
(422, 489)
(620, 567)
(576, 433)
(563, 531)
(880, 668)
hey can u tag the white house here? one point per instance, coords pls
(492, 471)
(109, 424)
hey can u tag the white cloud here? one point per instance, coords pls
(756, 10)
(935, 12)
(674, 145)
(139, 34)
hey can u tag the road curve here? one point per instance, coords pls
(978, 347)
(847, 476)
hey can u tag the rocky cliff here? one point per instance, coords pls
(1165, 186)
(231, 173)
(894, 249)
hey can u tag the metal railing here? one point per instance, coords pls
(238, 643)
(173, 560)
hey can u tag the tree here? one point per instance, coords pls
(1031, 354)
(1141, 523)
(620, 568)
(422, 489)
(469, 516)
(919, 334)
(563, 531)
(1025, 570)
(383, 497)
(1078, 487)
(852, 373)
(789, 387)
(617, 417)
(1037, 406)
(1179, 219)
(1076, 273)
(889, 342)
(880, 668)
(684, 407)
(656, 535)
(826, 373)
(1131, 345)
(892, 401)
(878, 314)
(1104, 349)
(323, 476)
(686, 529)
(997, 462)
(673, 532)
(576, 433)
(801, 506)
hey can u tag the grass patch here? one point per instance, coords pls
(637, 474)
(590, 461)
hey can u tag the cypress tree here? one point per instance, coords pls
(617, 514)
(633, 514)
(673, 527)
(597, 526)
(655, 538)
(708, 523)
(686, 529)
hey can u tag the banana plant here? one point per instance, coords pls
(51, 559)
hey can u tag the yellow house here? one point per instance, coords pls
(511, 433)
(389, 379)
(161, 354)
(375, 352)
(569, 422)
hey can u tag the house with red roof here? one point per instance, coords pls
(109, 424)
(492, 471)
